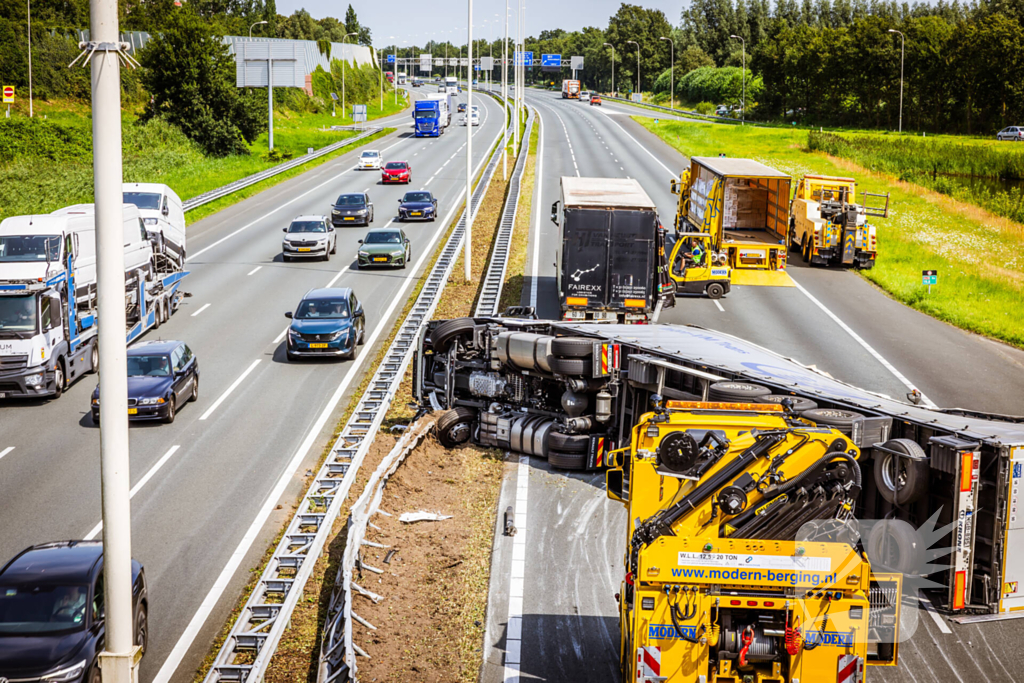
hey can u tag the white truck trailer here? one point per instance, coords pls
(48, 316)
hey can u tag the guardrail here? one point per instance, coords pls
(254, 636)
(724, 119)
(248, 180)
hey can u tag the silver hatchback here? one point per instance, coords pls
(1012, 133)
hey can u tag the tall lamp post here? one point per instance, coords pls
(902, 42)
(633, 42)
(258, 23)
(672, 73)
(468, 249)
(29, 6)
(381, 73)
(344, 59)
(613, 67)
(504, 100)
(743, 98)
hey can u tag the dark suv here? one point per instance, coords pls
(51, 612)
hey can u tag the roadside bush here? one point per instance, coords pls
(705, 108)
(720, 85)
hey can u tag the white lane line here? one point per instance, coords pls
(428, 181)
(278, 338)
(651, 154)
(253, 270)
(517, 576)
(227, 393)
(6, 451)
(333, 280)
(204, 307)
(389, 222)
(138, 487)
(188, 637)
(719, 305)
(867, 347)
(930, 608)
(535, 268)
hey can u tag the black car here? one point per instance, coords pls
(161, 376)
(418, 206)
(51, 613)
(352, 209)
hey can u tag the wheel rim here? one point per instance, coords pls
(459, 433)
(58, 377)
(142, 632)
(897, 482)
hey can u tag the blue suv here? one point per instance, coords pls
(328, 322)
(51, 612)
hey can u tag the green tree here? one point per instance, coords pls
(645, 27)
(191, 78)
(352, 25)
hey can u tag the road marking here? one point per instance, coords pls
(6, 451)
(138, 487)
(930, 608)
(227, 393)
(277, 340)
(338, 275)
(867, 347)
(254, 270)
(534, 274)
(671, 174)
(719, 305)
(205, 306)
(517, 578)
(188, 636)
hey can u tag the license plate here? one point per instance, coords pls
(318, 346)
(350, 218)
(133, 411)
(304, 248)
(380, 259)
(416, 213)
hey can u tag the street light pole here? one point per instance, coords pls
(637, 64)
(344, 59)
(743, 98)
(468, 248)
(613, 67)
(504, 100)
(30, 112)
(258, 23)
(672, 73)
(902, 42)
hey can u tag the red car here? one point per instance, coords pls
(595, 99)
(396, 172)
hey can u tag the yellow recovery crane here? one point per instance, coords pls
(742, 561)
(829, 227)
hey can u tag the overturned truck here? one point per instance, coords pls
(572, 393)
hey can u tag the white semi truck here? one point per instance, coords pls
(48, 316)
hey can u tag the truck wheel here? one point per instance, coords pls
(895, 546)
(737, 392)
(444, 333)
(571, 366)
(572, 347)
(832, 417)
(456, 427)
(158, 317)
(799, 404)
(901, 480)
(567, 461)
(715, 291)
(58, 378)
(94, 358)
(568, 443)
(166, 311)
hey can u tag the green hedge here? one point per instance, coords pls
(720, 85)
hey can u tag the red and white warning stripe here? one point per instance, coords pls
(850, 670)
(648, 663)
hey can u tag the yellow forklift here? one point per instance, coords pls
(696, 268)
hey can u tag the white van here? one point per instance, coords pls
(138, 250)
(162, 213)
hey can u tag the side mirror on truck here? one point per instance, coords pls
(554, 212)
(673, 186)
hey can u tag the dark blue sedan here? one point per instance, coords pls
(328, 322)
(161, 376)
(51, 612)
(417, 206)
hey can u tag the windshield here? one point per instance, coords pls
(417, 197)
(41, 609)
(322, 309)
(388, 237)
(143, 200)
(156, 365)
(348, 200)
(307, 226)
(18, 313)
(369, 155)
(425, 114)
(29, 248)
(395, 165)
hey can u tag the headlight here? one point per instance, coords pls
(70, 673)
(363, 253)
(150, 401)
(336, 212)
(400, 252)
(336, 336)
(34, 380)
(150, 221)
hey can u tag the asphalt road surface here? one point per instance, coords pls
(552, 614)
(203, 485)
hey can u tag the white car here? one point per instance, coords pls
(309, 237)
(585, 96)
(369, 159)
(475, 117)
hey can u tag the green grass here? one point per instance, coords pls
(980, 257)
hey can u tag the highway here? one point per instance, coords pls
(208, 490)
(553, 614)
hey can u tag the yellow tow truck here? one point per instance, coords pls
(742, 561)
(829, 227)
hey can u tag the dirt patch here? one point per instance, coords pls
(430, 624)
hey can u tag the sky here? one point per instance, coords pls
(418, 21)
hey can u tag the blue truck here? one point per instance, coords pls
(432, 115)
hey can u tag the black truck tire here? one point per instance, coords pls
(568, 443)
(571, 366)
(910, 480)
(799, 404)
(832, 417)
(715, 290)
(737, 392)
(572, 347)
(896, 546)
(455, 427)
(567, 461)
(449, 330)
